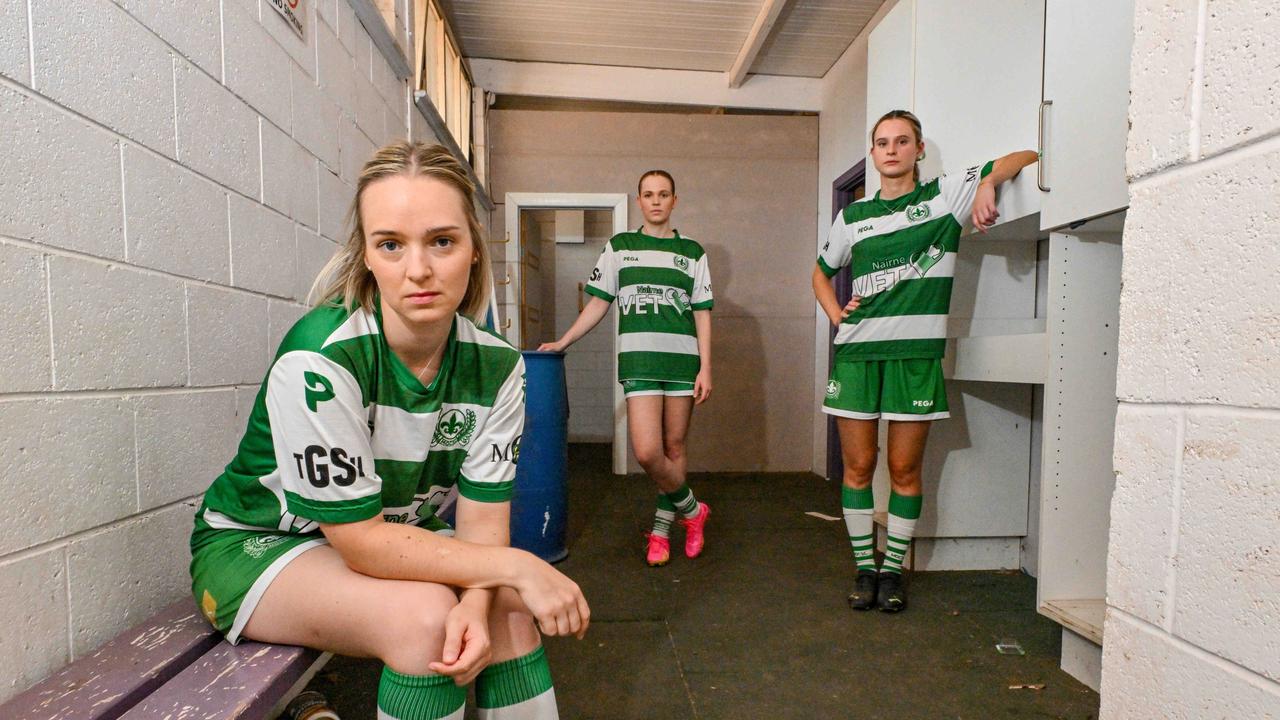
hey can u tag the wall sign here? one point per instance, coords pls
(292, 11)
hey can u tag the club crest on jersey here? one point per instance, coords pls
(454, 428)
(258, 546)
(833, 388)
(681, 262)
(916, 213)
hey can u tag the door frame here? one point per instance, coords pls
(618, 203)
(841, 195)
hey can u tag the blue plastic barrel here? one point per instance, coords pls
(540, 506)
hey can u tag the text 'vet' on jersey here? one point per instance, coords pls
(903, 256)
(342, 431)
(658, 283)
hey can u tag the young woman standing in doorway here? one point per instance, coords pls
(663, 287)
(901, 244)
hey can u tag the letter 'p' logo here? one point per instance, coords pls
(319, 389)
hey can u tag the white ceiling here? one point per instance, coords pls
(807, 39)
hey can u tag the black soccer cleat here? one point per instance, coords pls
(863, 596)
(891, 596)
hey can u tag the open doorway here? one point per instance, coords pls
(556, 239)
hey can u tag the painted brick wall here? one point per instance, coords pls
(1193, 575)
(172, 176)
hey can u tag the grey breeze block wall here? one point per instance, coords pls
(1193, 574)
(172, 176)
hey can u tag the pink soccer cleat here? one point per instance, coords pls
(659, 550)
(693, 538)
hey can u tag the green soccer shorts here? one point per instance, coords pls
(637, 388)
(232, 569)
(891, 389)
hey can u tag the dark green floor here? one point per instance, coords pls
(758, 627)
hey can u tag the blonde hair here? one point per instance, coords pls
(345, 280)
(915, 125)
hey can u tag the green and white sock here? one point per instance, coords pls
(419, 697)
(858, 506)
(664, 516)
(904, 510)
(685, 502)
(517, 689)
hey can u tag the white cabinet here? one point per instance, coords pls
(976, 74)
(1085, 116)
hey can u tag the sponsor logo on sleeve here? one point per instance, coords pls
(595, 275)
(319, 466)
(505, 453)
(319, 389)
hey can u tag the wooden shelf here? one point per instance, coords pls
(1084, 617)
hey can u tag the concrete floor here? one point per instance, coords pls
(758, 627)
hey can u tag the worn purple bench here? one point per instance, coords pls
(172, 665)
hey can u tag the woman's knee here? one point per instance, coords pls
(904, 472)
(413, 635)
(859, 469)
(650, 457)
(674, 449)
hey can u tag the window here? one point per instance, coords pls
(442, 74)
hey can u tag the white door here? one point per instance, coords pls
(1085, 118)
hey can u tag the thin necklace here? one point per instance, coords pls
(424, 370)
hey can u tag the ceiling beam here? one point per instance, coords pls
(769, 13)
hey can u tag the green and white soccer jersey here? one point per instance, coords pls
(658, 283)
(342, 431)
(902, 253)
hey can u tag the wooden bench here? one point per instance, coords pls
(172, 665)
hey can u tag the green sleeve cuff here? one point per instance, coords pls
(986, 169)
(486, 492)
(826, 269)
(593, 290)
(338, 511)
(704, 305)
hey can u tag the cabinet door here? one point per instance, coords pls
(890, 72)
(1086, 78)
(977, 85)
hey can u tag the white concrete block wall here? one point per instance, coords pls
(1193, 581)
(172, 176)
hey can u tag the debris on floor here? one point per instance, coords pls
(1009, 646)
(1034, 686)
(821, 516)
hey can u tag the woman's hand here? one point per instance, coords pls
(466, 644)
(984, 207)
(557, 346)
(854, 302)
(702, 386)
(555, 601)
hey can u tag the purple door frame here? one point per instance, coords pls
(842, 193)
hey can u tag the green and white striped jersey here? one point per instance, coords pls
(658, 283)
(903, 256)
(342, 431)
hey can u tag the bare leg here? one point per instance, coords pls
(317, 601)
(858, 450)
(676, 414)
(644, 425)
(906, 455)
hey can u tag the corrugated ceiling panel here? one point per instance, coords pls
(692, 34)
(812, 34)
(682, 34)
